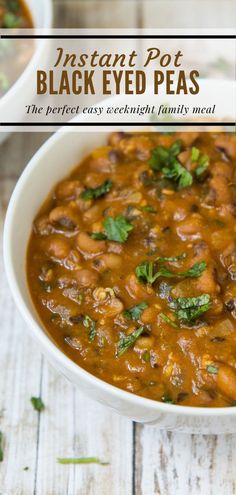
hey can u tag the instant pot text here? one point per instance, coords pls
(109, 73)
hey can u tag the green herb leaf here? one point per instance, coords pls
(37, 403)
(148, 208)
(212, 369)
(172, 258)
(117, 229)
(145, 272)
(167, 399)
(195, 152)
(98, 236)
(203, 164)
(126, 342)
(1, 447)
(4, 82)
(91, 324)
(168, 320)
(164, 160)
(162, 157)
(81, 460)
(179, 174)
(190, 308)
(11, 21)
(135, 312)
(146, 356)
(195, 270)
(97, 192)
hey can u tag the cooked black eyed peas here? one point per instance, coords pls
(132, 266)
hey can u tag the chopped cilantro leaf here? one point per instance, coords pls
(168, 320)
(212, 369)
(97, 192)
(1, 447)
(98, 236)
(190, 308)
(126, 342)
(37, 403)
(203, 164)
(146, 356)
(81, 460)
(162, 157)
(117, 229)
(165, 161)
(167, 399)
(91, 324)
(179, 174)
(135, 312)
(145, 272)
(148, 208)
(195, 152)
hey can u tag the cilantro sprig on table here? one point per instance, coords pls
(115, 229)
(97, 192)
(37, 404)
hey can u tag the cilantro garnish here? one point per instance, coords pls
(98, 236)
(97, 192)
(212, 369)
(135, 312)
(201, 160)
(203, 164)
(165, 161)
(145, 272)
(168, 320)
(126, 342)
(162, 157)
(117, 229)
(37, 403)
(91, 325)
(190, 308)
(195, 152)
(167, 399)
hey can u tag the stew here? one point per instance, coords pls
(13, 15)
(132, 266)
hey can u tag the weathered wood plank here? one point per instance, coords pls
(19, 357)
(188, 14)
(95, 14)
(175, 464)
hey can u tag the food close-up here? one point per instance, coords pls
(131, 266)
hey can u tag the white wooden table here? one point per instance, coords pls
(143, 460)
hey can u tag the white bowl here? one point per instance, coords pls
(50, 164)
(41, 12)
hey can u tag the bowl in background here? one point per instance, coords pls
(41, 12)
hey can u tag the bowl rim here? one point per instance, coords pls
(21, 80)
(38, 330)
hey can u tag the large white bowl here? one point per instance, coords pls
(41, 12)
(49, 165)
